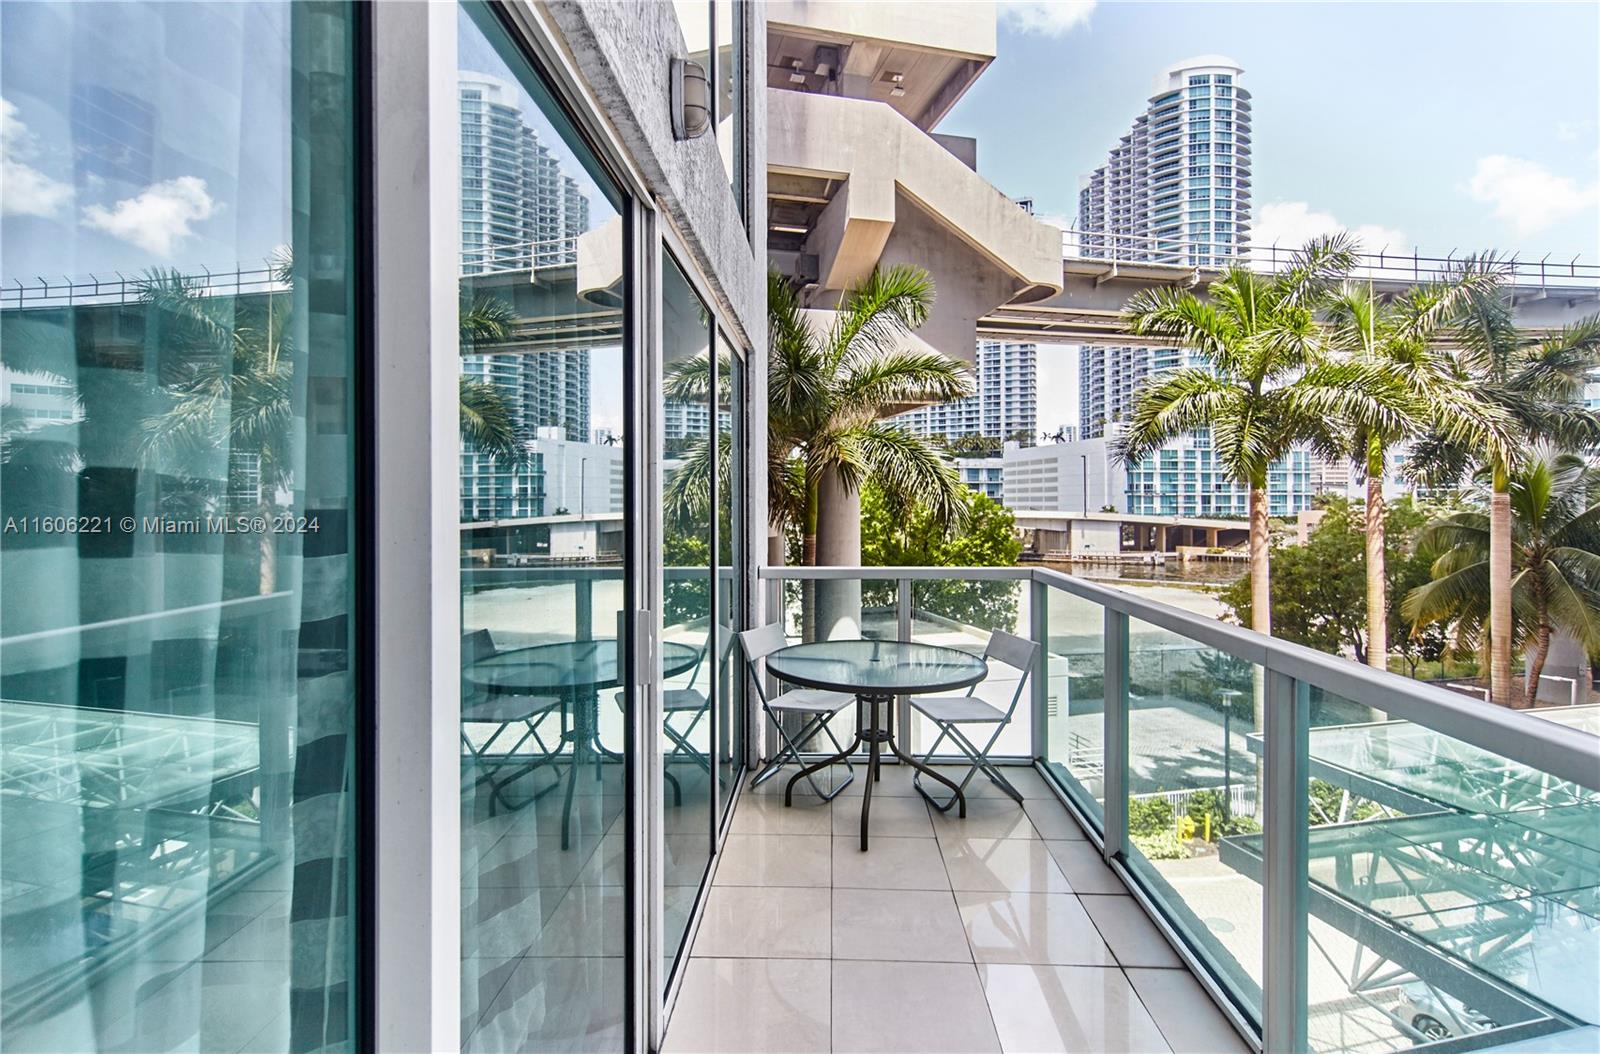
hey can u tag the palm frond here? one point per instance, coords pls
(911, 470)
(865, 384)
(485, 319)
(1174, 405)
(1181, 317)
(1317, 266)
(487, 423)
(885, 306)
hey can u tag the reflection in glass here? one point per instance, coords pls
(730, 94)
(176, 606)
(1436, 866)
(542, 567)
(730, 582)
(1193, 780)
(689, 481)
(1075, 711)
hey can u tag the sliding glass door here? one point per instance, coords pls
(178, 446)
(544, 574)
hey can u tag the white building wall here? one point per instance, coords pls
(1069, 477)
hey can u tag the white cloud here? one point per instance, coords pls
(1290, 224)
(1527, 195)
(158, 217)
(24, 190)
(1048, 18)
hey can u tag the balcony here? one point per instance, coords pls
(1425, 863)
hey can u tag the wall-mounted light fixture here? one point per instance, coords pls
(690, 99)
(899, 88)
(796, 75)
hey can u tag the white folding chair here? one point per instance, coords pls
(814, 706)
(949, 711)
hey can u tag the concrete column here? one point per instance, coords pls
(838, 544)
(1211, 537)
(1161, 538)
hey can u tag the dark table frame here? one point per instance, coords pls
(582, 700)
(872, 733)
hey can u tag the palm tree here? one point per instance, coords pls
(487, 421)
(1555, 562)
(230, 378)
(1398, 335)
(1266, 384)
(1536, 382)
(827, 393)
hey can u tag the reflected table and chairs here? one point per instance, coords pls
(876, 672)
(562, 679)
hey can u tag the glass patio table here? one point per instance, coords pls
(576, 671)
(875, 672)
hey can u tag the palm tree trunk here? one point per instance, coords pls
(1260, 617)
(1377, 592)
(1260, 571)
(1501, 690)
(1541, 651)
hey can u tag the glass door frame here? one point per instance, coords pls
(416, 834)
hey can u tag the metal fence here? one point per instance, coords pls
(1423, 798)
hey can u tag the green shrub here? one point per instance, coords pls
(1149, 817)
(1164, 846)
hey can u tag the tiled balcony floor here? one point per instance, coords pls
(1000, 932)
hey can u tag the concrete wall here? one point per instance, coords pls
(964, 27)
(1089, 536)
(623, 51)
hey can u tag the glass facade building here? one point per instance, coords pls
(1003, 406)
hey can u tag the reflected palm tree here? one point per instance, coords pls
(230, 373)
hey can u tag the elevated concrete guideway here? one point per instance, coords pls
(1098, 280)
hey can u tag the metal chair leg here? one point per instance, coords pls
(791, 752)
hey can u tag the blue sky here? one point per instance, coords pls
(1449, 126)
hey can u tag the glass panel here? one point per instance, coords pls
(689, 481)
(730, 565)
(1075, 715)
(1194, 778)
(1453, 892)
(961, 615)
(730, 101)
(177, 618)
(542, 567)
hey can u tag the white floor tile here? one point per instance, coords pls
(889, 863)
(1187, 1017)
(908, 925)
(1052, 819)
(752, 1006)
(1002, 865)
(766, 814)
(775, 860)
(1085, 868)
(1133, 938)
(1038, 928)
(889, 817)
(911, 1007)
(986, 818)
(765, 923)
(1068, 1008)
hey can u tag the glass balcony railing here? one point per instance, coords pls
(1347, 860)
